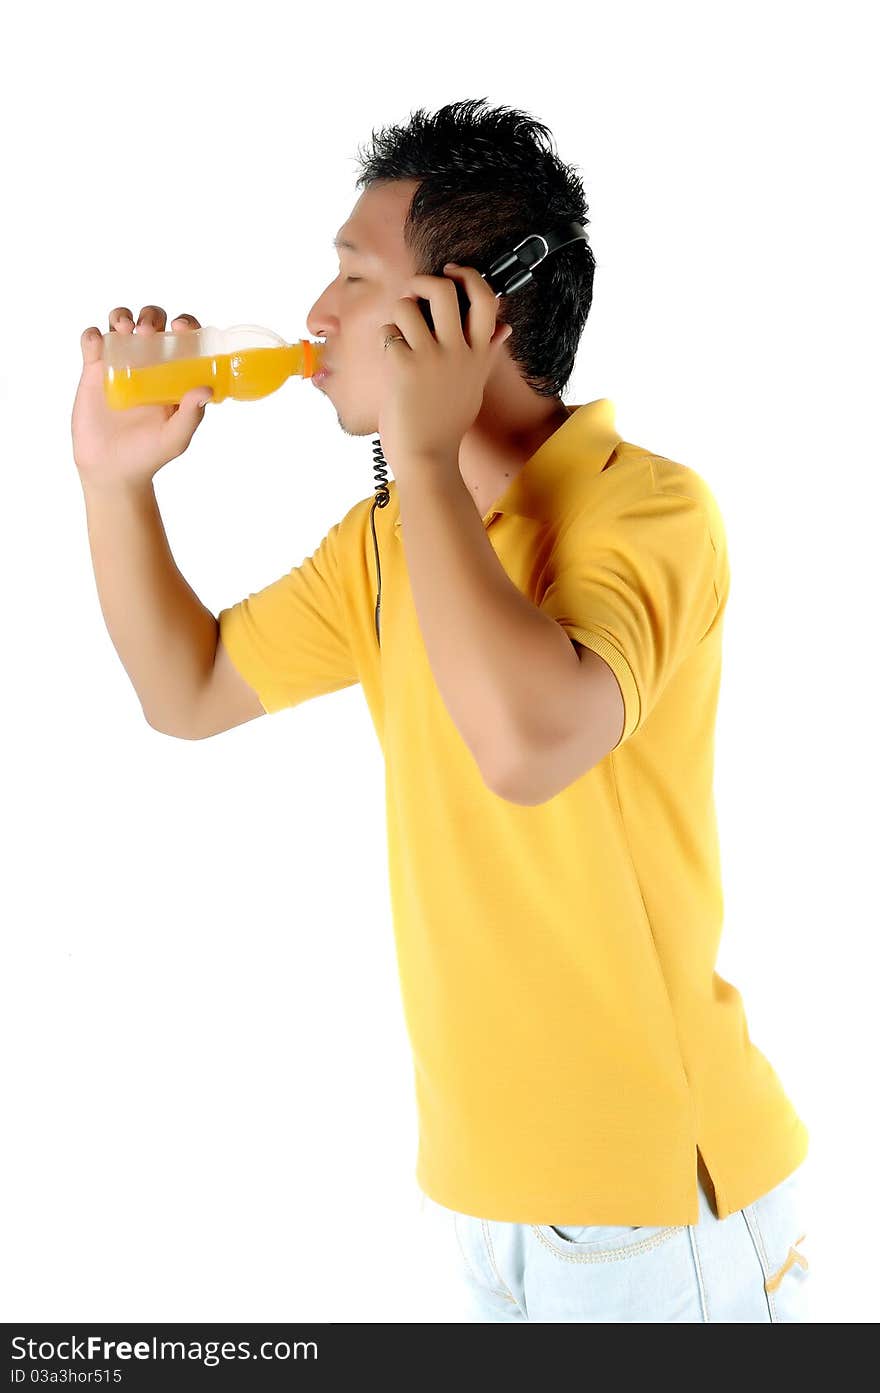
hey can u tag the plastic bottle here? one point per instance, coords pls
(246, 362)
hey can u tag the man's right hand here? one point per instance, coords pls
(128, 447)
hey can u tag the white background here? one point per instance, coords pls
(207, 1085)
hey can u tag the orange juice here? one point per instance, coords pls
(245, 374)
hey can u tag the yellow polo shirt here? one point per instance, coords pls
(573, 1045)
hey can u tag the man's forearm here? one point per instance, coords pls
(496, 658)
(165, 637)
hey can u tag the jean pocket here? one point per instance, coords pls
(778, 1225)
(603, 1242)
(585, 1233)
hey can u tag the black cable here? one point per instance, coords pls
(382, 499)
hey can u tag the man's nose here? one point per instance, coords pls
(320, 320)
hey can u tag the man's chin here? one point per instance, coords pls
(354, 427)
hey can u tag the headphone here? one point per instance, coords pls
(508, 273)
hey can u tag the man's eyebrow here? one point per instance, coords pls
(341, 242)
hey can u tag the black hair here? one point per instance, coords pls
(487, 178)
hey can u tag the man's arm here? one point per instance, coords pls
(534, 715)
(165, 637)
(592, 711)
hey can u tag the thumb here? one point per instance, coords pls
(180, 428)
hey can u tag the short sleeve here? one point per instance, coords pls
(636, 582)
(291, 640)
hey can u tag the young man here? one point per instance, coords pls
(544, 685)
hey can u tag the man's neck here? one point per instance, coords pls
(494, 451)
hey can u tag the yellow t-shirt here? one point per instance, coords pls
(573, 1045)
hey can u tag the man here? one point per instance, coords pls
(543, 674)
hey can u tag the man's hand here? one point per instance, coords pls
(114, 448)
(435, 385)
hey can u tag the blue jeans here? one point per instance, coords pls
(745, 1268)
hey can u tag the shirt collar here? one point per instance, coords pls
(581, 446)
